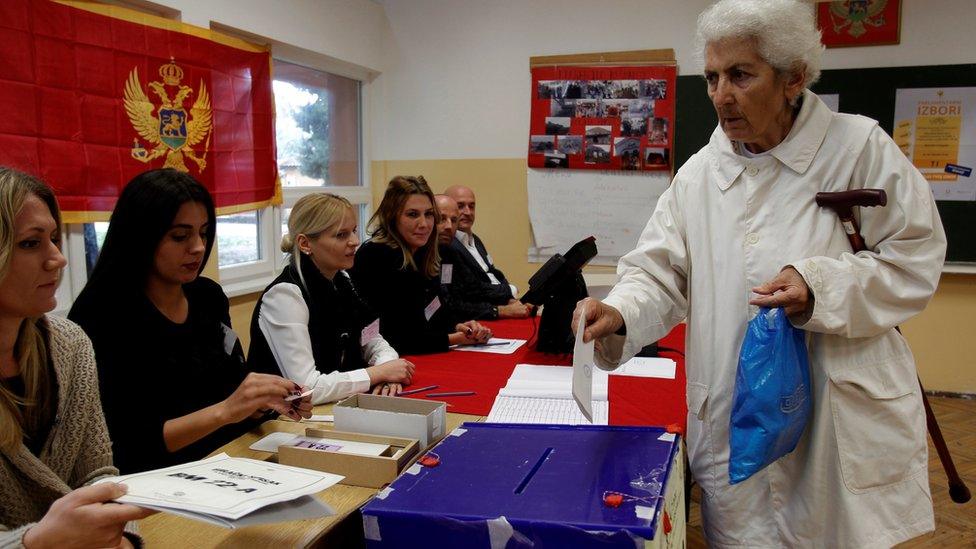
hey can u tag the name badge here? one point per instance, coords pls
(370, 332)
(432, 307)
(230, 338)
(446, 272)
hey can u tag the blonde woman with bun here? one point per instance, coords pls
(310, 325)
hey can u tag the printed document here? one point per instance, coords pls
(230, 492)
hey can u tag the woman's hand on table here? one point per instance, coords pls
(388, 389)
(393, 371)
(470, 333)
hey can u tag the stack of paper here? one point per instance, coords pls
(544, 394)
(230, 492)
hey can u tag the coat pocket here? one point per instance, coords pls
(700, 453)
(879, 421)
(696, 396)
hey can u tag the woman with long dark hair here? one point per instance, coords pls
(397, 272)
(172, 374)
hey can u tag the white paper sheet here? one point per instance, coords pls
(305, 507)
(553, 411)
(663, 368)
(531, 380)
(583, 366)
(221, 487)
(566, 206)
(496, 345)
(272, 441)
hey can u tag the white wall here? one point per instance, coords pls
(457, 83)
(348, 31)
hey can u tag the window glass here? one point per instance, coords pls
(94, 238)
(238, 238)
(317, 127)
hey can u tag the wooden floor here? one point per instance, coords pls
(955, 525)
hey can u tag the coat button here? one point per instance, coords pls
(752, 239)
(752, 171)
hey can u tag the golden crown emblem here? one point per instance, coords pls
(170, 130)
(171, 73)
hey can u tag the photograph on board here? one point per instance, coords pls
(539, 144)
(569, 144)
(557, 125)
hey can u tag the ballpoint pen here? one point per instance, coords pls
(490, 344)
(449, 394)
(418, 390)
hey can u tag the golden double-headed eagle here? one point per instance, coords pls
(856, 14)
(168, 128)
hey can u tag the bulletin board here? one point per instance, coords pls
(869, 92)
(601, 117)
(601, 137)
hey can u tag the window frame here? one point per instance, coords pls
(254, 276)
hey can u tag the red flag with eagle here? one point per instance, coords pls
(92, 95)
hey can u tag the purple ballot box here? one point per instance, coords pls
(514, 486)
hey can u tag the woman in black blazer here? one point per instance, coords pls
(397, 272)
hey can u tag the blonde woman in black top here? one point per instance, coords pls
(310, 324)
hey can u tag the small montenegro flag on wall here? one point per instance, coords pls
(92, 95)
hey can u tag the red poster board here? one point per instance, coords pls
(602, 118)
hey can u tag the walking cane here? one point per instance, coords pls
(842, 203)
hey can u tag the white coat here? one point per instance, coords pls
(858, 477)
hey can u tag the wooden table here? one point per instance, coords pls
(166, 530)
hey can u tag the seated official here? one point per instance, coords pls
(470, 248)
(397, 273)
(309, 324)
(52, 433)
(468, 294)
(173, 381)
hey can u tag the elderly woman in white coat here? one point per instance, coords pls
(739, 228)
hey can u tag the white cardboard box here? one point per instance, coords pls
(393, 416)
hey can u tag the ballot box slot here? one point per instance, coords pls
(535, 469)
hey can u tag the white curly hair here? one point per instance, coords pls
(785, 32)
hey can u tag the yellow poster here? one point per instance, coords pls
(936, 129)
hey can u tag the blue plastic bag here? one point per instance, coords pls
(771, 403)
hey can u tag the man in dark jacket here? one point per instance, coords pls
(475, 290)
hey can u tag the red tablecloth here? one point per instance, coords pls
(487, 373)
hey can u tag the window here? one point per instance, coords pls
(319, 143)
(319, 139)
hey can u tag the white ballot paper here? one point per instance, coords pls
(230, 492)
(583, 364)
(272, 441)
(496, 345)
